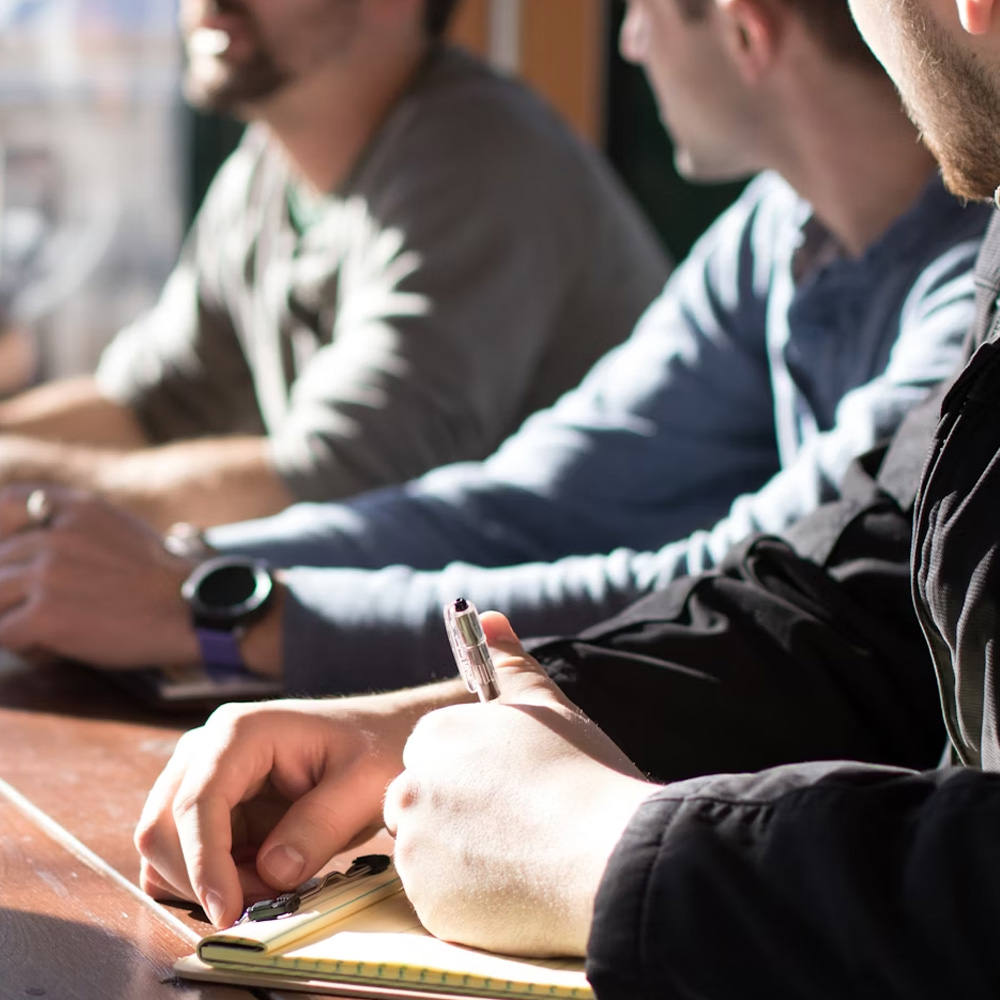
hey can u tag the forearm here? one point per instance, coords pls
(812, 881)
(405, 707)
(204, 481)
(356, 630)
(72, 411)
(458, 513)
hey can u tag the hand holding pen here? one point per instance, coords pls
(472, 654)
(505, 816)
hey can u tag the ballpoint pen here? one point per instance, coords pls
(468, 644)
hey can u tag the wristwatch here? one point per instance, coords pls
(225, 594)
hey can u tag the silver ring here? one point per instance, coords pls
(39, 509)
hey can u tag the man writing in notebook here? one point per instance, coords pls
(815, 880)
(814, 313)
(405, 256)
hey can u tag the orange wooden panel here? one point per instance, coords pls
(471, 25)
(562, 47)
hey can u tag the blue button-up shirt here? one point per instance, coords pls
(768, 362)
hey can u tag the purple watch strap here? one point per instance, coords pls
(220, 651)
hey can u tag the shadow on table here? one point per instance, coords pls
(47, 956)
(79, 691)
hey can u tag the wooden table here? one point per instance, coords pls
(77, 757)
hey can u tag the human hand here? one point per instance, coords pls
(94, 584)
(262, 796)
(26, 459)
(507, 813)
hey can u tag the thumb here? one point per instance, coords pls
(520, 676)
(315, 828)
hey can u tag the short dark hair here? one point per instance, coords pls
(829, 21)
(437, 14)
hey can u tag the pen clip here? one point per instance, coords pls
(470, 650)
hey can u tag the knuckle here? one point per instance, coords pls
(407, 794)
(12, 638)
(403, 856)
(401, 796)
(185, 803)
(82, 506)
(146, 837)
(231, 716)
(187, 741)
(48, 564)
(20, 632)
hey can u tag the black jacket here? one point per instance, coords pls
(844, 880)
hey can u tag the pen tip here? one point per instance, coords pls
(461, 604)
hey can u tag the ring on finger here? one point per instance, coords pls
(39, 508)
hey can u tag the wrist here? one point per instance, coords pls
(183, 646)
(225, 595)
(391, 717)
(614, 806)
(261, 644)
(410, 705)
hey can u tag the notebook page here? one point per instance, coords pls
(338, 903)
(387, 941)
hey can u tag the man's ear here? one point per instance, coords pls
(976, 15)
(751, 31)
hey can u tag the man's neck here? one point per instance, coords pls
(857, 159)
(325, 123)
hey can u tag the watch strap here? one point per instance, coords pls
(220, 651)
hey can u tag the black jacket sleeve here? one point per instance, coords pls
(812, 882)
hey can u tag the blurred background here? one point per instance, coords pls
(102, 167)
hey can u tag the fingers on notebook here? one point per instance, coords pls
(156, 836)
(154, 884)
(204, 829)
(185, 835)
(317, 825)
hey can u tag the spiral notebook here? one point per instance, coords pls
(359, 936)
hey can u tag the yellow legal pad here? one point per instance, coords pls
(362, 938)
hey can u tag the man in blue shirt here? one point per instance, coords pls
(804, 324)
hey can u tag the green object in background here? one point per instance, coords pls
(640, 149)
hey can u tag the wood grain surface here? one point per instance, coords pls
(71, 931)
(83, 752)
(77, 757)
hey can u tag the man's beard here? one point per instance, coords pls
(235, 87)
(213, 84)
(324, 31)
(955, 102)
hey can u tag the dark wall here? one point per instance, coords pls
(210, 140)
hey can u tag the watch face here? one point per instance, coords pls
(226, 591)
(227, 586)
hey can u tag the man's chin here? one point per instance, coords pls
(970, 190)
(700, 171)
(967, 178)
(227, 94)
